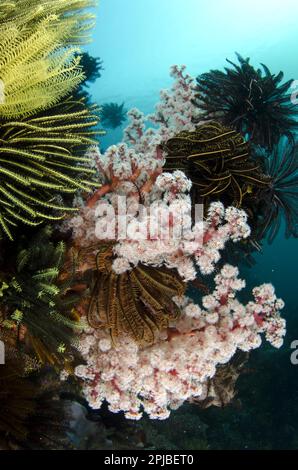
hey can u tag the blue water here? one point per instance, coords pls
(138, 40)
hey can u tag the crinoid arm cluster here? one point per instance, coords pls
(44, 131)
(135, 303)
(218, 161)
(255, 102)
(279, 199)
(40, 164)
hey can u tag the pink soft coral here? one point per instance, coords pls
(184, 357)
(178, 366)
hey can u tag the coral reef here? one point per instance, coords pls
(198, 247)
(129, 305)
(209, 155)
(175, 242)
(181, 360)
(177, 367)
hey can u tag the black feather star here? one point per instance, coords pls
(92, 67)
(112, 115)
(252, 101)
(280, 197)
(218, 161)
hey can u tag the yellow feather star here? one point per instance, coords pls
(136, 303)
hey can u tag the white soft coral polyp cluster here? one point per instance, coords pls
(190, 247)
(174, 113)
(185, 356)
(122, 163)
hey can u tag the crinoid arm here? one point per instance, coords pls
(135, 304)
(41, 162)
(280, 198)
(218, 161)
(252, 101)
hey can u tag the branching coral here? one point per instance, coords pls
(134, 280)
(180, 359)
(249, 176)
(136, 173)
(147, 347)
(179, 366)
(252, 101)
(197, 247)
(133, 270)
(124, 170)
(161, 231)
